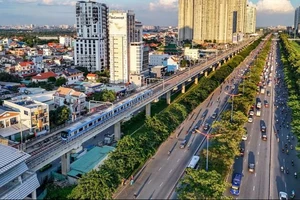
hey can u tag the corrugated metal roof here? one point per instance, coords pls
(12, 173)
(10, 157)
(90, 160)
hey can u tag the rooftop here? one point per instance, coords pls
(45, 75)
(10, 157)
(89, 161)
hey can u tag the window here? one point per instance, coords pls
(25, 112)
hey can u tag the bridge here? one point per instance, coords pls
(59, 149)
(294, 39)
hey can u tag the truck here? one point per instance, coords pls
(258, 105)
(262, 90)
(109, 139)
(258, 112)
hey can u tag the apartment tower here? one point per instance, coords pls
(297, 20)
(91, 45)
(250, 19)
(211, 20)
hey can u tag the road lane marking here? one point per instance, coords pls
(256, 162)
(255, 175)
(170, 171)
(168, 158)
(253, 187)
(159, 169)
(161, 184)
(178, 160)
(247, 150)
(149, 181)
(257, 153)
(259, 144)
(184, 150)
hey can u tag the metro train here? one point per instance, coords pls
(96, 119)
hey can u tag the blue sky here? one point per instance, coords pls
(149, 12)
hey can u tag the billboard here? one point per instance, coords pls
(117, 23)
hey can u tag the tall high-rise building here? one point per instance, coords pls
(297, 20)
(251, 19)
(121, 34)
(211, 20)
(185, 19)
(91, 46)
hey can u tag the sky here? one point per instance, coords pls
(149, 12)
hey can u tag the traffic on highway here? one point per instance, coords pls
(267, 164)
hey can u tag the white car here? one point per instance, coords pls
(250, 119)
(283, 196)
(245, 137)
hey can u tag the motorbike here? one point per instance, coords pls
(295, 174)
(287, 171)
(293, 194)
(292, 163)
(281, 169)
(292, 147)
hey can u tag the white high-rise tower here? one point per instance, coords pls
(91, 46)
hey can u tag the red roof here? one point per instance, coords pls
(45, 75)
(91, 75)
(27, 75)
(24, 64)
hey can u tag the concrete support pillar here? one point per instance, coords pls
(213, 68)
(148, 110)
(205, 74)
(33, 195)
(183, 88)
(168, 97)
(65, 163)
(220, 64)
(196, 80)
(117, 131)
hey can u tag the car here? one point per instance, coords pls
(268, 93)
(266, 104)
(204, 113)
(263, 128)
(214, 115)
(206, 127)
(251, 167)
(250, 119)
(183, 144)
(283, 196)
(245, 137)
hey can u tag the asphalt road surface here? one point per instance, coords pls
(268, 180)
(161, 174)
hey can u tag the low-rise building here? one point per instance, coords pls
(75, 100)
(191, 54)
(72, 75)
(158, 71)
(92, 77)
(157, 59)
(33, 114)
(172, 63)
(24, 69)
(43, 77)
(16, 180)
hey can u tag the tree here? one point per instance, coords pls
(199, 184)
(108, 95)
(6, 77)
(60, 81)
(52, 79)
(183, 63)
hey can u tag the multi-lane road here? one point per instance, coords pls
(267, 180)
(161, 174)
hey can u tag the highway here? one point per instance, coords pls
(161, 174)
(50, 152)
(267, 180)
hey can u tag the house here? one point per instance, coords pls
(43, 77)
(172, 63)
(72, 75)
(92, 77)
(76, 101)
(24, 69)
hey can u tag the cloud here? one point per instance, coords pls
(58, 3)
(163, 4)
(274, 6)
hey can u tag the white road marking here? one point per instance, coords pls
(255, 175)
(184, 150)
(161, 184)
(253, 187)
(149, 181)
(247, 150)
(170, 171)
(283, 160)
(257, 153)
(178, 160)
(259, 144)
(159, 169)
(256, 162)
(168, 158)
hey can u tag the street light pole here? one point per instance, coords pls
(207, 144)
(232, 96)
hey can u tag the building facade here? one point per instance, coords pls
(91, 46)
(297, 20)
(121, 34)
(211, 21)
(66, 41)
(251, 19)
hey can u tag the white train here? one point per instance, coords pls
(96, 119)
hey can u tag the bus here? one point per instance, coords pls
(193, 163)
(236, 183)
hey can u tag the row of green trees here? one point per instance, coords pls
(290, 58)
(201, 184)
(133, 151)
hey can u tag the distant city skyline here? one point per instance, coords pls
(149, 12)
